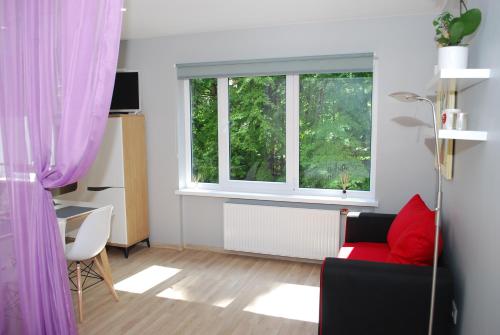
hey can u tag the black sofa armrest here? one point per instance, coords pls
(360, 297)
(368, 227)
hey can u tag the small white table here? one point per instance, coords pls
(63, 221)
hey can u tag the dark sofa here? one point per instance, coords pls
(370, 297)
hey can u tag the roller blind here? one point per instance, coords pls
(274, 66)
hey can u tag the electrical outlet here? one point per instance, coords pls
(454, 311)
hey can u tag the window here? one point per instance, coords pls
(289, 131)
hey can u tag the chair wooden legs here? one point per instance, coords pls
(79, 284)
(102, 263)
(105, 271)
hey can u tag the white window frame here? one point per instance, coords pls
(291, 185)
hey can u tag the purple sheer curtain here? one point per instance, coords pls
(57, 67)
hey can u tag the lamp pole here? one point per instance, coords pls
(437, 215)
(412, 97)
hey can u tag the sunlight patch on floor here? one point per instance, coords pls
(290, 301)
(146, 279)
(181, 294)
(223, 303)
(171, 293)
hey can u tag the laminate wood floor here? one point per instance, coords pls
(165, 291)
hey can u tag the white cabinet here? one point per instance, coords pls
(108, 168)
(118, 177)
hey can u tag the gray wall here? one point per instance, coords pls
(406, 55)
(471, 202)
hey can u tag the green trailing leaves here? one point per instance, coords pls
(456, 32)
(443, 41)
(471, 20)
(451, 30)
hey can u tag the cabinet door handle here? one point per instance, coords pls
(97, 189)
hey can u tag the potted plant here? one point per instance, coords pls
(344, 182)
(196, 180)
(450, 32)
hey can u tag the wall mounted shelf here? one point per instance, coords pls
(463, 135)
(457, 79)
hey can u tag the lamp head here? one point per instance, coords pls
(405, 96)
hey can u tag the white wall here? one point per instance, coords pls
(471, 201)
(406, 55)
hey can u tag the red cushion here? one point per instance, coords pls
(416, 243)
(365, 251)
(406, 216)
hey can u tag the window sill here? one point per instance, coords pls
(314, 199)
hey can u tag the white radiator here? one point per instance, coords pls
(284, 231)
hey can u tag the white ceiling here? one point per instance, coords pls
(153, 18)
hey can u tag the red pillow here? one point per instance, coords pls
(406, 216)
(416, 243)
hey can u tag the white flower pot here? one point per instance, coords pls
(455, 57)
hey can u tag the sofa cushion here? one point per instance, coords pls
(408, 215)
(416, 243)
(365, 251)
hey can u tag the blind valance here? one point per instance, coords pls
(276, 66)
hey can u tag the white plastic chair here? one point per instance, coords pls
(90, 241)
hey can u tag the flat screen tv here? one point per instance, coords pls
(126, 92)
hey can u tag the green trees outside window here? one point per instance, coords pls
(335, 130)
(204, 129)
(257, 118)
(335, 125)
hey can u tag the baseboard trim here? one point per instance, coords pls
(205, 248)
(167, 246)
(250, 254)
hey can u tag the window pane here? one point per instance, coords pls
(257, 114)
(204, 150)
(335, 130)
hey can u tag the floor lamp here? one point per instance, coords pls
(412, 97)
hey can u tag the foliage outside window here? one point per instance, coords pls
(204, 155)
(335, 130)
(257, 128)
